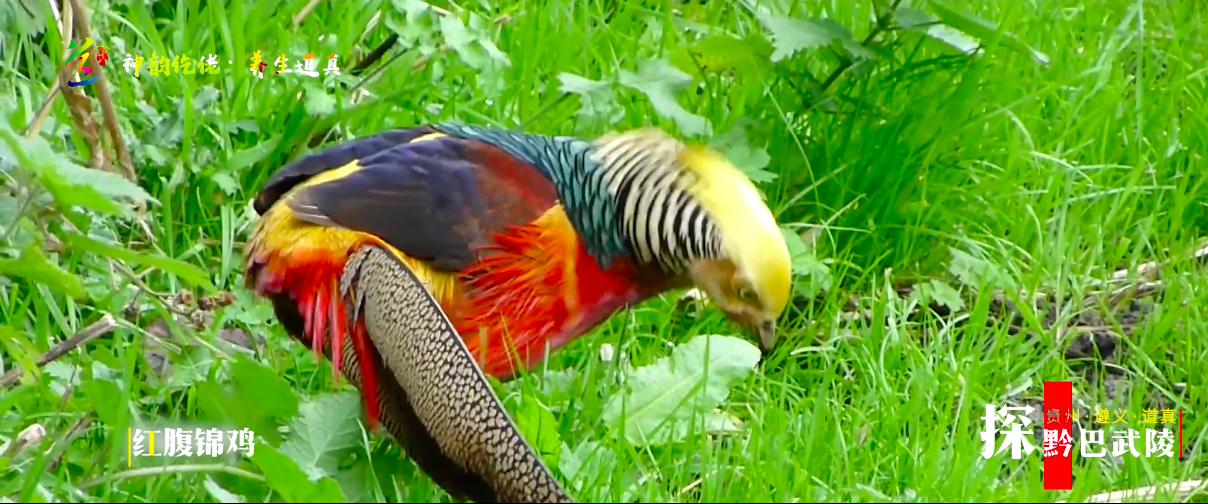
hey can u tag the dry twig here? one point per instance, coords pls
(31, 436)
(302, 14)
(84, 28)
(76, 429)
(95, 330)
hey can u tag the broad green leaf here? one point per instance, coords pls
(67, 196)
(265, 387)
(20, 349)
(258, 398)
(719, 422)
(538, 425)
(923, 22)
(61, 374)
(571, 83)
(939, 292)
(250, 156)
(33, 266)
(596, 98)
(22, 17)
(455, 33)
(358, 481)
(476, 50)
(184, 270)
(319, 103)
(661, 82)
(283, 476)
(493, 51)
(102, 371)
(106, 400)
(24, 231)
(881, 8)
(748, 158)
(560, 387)
(8, 208)
(324, 430)
(408, 32)
(666, 401)
(103, 182)
(790, 35)
(221, 494)
(977, 271)
(413, 8)
(69, 183)
(798, 250)
(589, 458)
(246, 310)
(984, 30)
(482, 26)
(226, 182)
(811, 274)
(719, 53)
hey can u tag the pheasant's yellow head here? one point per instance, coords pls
(688, 208)
(751, 280)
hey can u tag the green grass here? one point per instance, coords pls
(1042, 178)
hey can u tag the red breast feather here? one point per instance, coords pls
(303, 262)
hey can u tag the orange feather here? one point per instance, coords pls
(535, 286)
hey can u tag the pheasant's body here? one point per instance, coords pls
(481, 228)
(387, 253)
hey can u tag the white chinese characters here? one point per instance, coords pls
(1012, 426)
(179, 442)
(1017, 439)
(1058, 441)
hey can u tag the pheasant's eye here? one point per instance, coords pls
(746, 295)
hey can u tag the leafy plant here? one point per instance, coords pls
(982, 147)
(665, 401)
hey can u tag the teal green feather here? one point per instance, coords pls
(580, 183)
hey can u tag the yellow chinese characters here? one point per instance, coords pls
(163, 66)
(1148, 416)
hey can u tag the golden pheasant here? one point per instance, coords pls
(523, 242)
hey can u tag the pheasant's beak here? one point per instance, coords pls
(715, 278)
(767, 336)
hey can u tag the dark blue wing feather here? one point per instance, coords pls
(312, 164)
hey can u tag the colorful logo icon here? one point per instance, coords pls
(81, 54)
